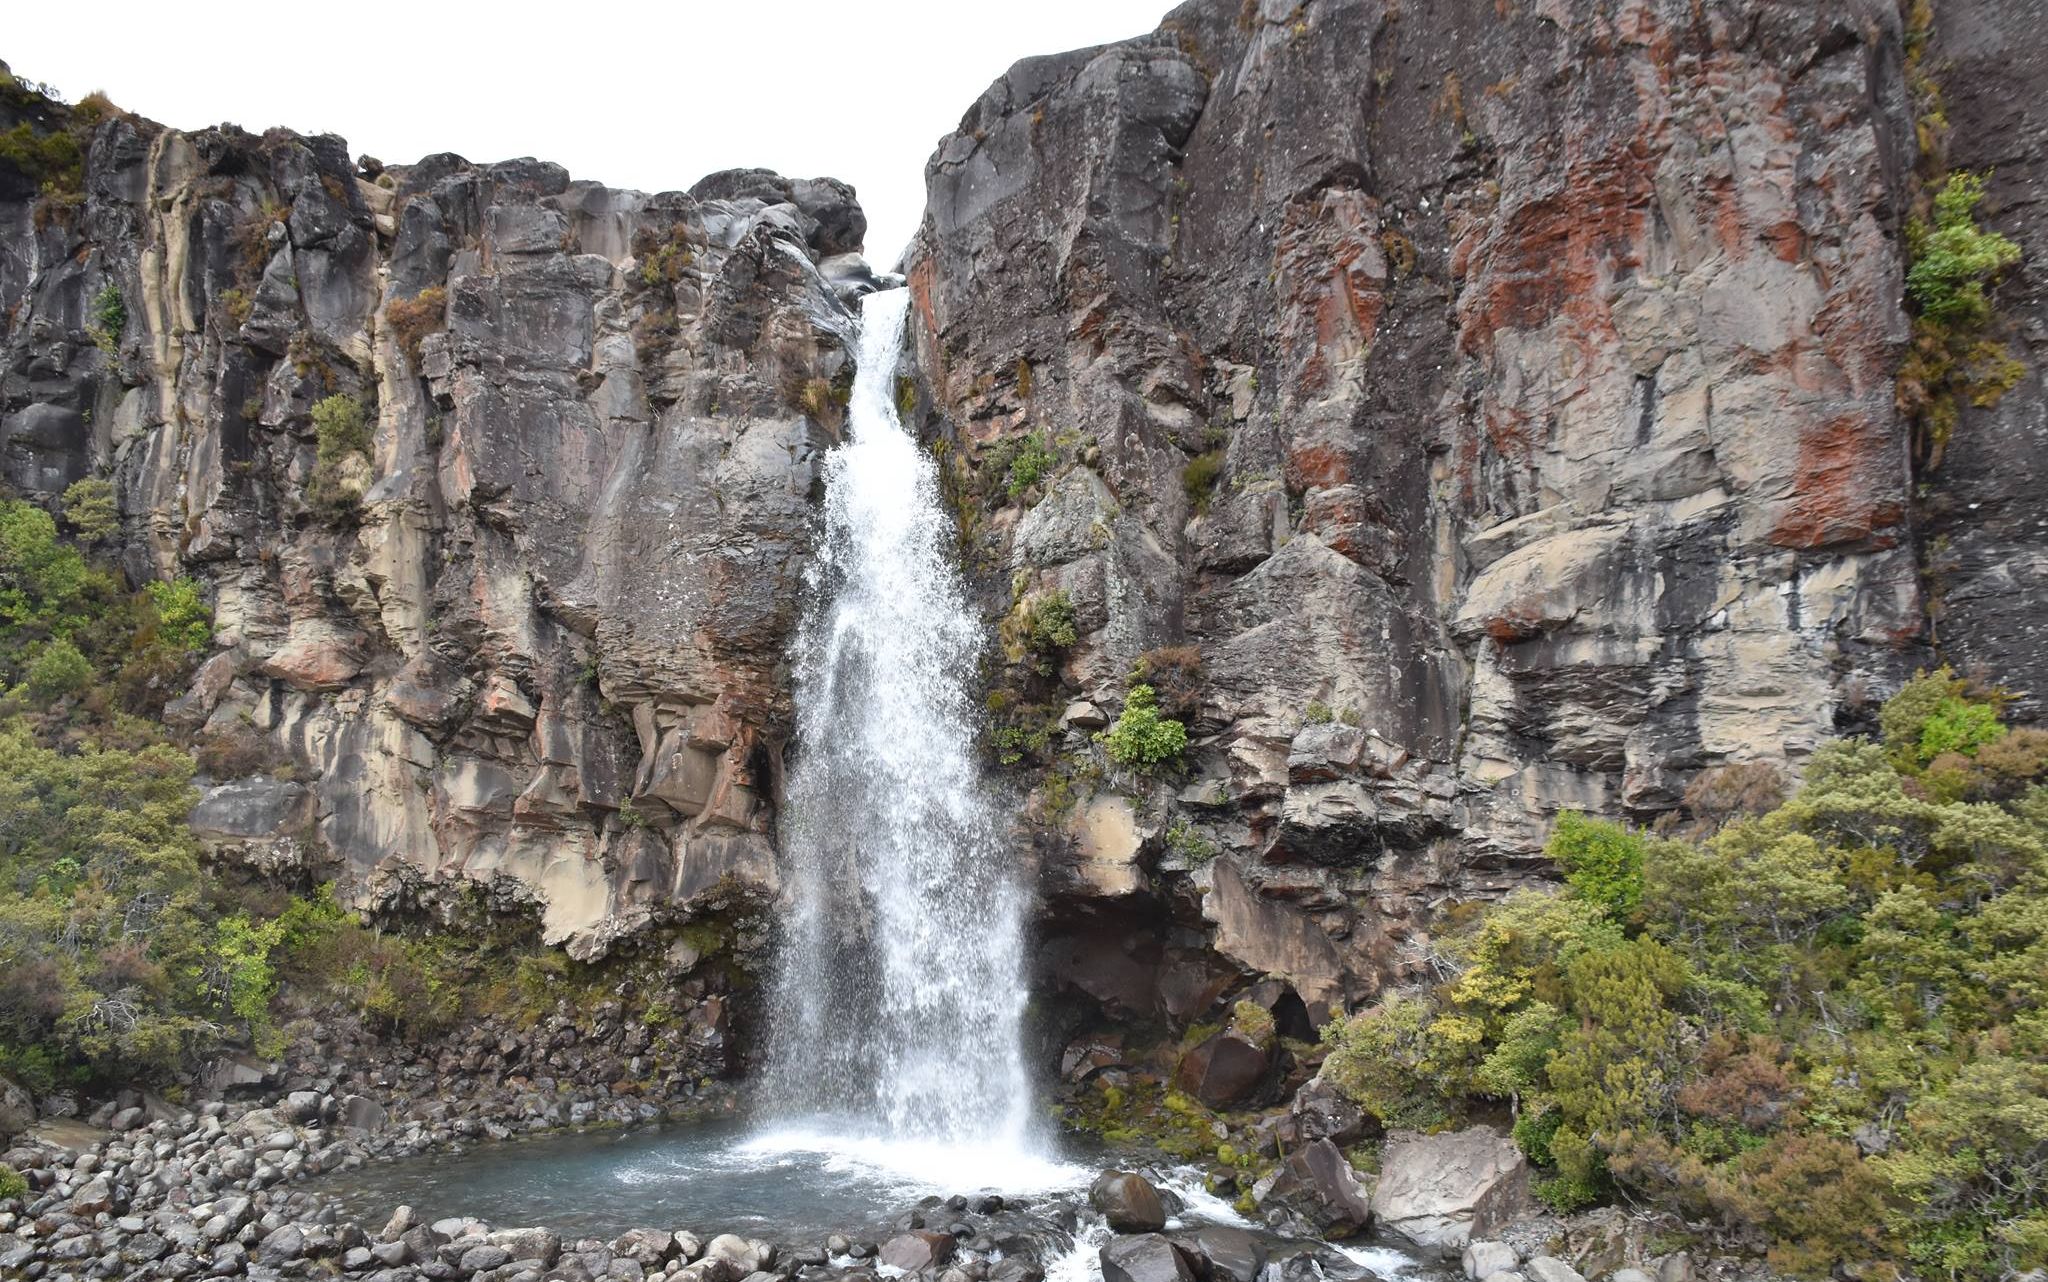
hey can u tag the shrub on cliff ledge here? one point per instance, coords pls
(1954, 356)
(412, 319)
(1143, 739)
(341, 436)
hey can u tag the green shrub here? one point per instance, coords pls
(1198, 478)
(13, 1184)
(1953, 259)
(1188, 841)
(1049, 624)
(53, 161)
(1701, 1024)
(90, 511)
(1954, 358)
(341, 434)
(59, 671)
(183, 619)
(1603, 862)
(1029, 464)
(1143, 739)
(109, 317)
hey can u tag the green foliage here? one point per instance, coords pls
(1049, 624)
(1954, 356)
(1032, 460)
(1189, 842)
(1252, 1021)
(1959, 726)
(53, 161)
(183, 619)
(1142, 738)
(1602, 862)
(109, 317)
(13, 1184)
(1198, 478)
(1701, 1025)
(90, 511)
(59, 671)
(341, 435)
(1953, 259)
(43, 583)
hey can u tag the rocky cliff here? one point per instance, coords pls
(513, 608)
(1502, 401)
(1464, 411)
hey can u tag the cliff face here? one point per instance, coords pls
(532, 633)
(1497, 400)
(1545, 355)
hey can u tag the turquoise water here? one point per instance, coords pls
(790, 1186)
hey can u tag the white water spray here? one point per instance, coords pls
(899, 988)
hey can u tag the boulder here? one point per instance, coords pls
(1484, 1259)
(1547, 1268)
(1224, 1069)
(1145, 1257)
(528, 1244)
(1128, 1202)
(17, 1110)
(916, 1250)
(1223, 1253)
(1440, 1191)
(1318, 1182)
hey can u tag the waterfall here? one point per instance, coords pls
(898, 989)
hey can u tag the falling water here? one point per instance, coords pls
(899, 986)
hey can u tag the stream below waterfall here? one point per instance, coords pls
(790, 1187)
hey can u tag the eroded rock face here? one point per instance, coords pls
(1500, 401)
(534, 634)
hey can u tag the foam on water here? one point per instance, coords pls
(921, 1166)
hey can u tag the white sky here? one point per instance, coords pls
(633, 93)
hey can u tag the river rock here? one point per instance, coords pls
(1317, 1181)
(1128, 1201)
(1484, 1259)
(1439, 1191)
(528, 1244)
(1226, 1254)
(916, 1250)
(1547, 1268)
(1144, 1257)
(648, 1246)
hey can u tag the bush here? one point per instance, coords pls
(1602, 862)
(412, 319)
(1953, 259)
(341, 435)
(1032, 460)
(182, 617)
(1142, 739)
(90, 511)
(1175, 674)
(1198, 479)
(1702, 1023)
(109, 317)
(13, 1184)
(1049, 624)
(59, 671)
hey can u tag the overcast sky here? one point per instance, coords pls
(636, 94)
